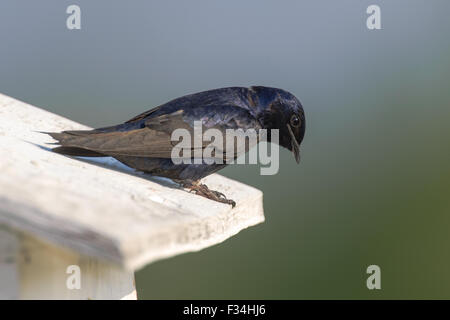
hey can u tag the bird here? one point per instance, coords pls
(144, 142)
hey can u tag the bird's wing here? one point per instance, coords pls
(154, 139)
(143, 115)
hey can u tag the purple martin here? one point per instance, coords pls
(144, 142)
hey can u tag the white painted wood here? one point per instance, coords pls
(103, 209)
(43, 274)
(32, 269)
(9, 278)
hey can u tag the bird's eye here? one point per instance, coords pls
(295, 121)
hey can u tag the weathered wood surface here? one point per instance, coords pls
(104, 209)
(32, 269)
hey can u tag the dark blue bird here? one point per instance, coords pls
(144, 142)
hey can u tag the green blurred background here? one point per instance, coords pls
(373, 185)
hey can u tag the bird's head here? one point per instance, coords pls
(279, 109)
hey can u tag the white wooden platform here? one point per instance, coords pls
(100, 214)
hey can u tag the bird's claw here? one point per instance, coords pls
(204, 191)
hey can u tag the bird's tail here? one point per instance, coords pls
(68, 143)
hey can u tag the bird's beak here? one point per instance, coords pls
(294, 144)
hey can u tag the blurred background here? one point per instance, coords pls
(374, 181)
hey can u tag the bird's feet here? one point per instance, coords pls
(202, 190)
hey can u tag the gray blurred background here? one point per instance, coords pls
(373, 185)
